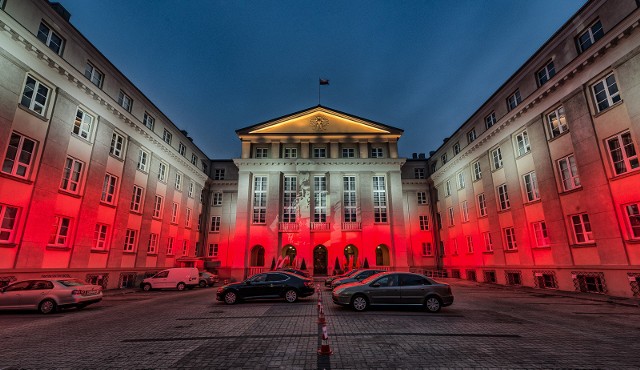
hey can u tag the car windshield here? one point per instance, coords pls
(370, 279)
(72, 282)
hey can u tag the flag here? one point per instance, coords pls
(324, 82)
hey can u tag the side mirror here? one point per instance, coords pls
(375, 285)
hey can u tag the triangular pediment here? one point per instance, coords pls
(317, 121)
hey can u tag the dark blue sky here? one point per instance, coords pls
(217, 66)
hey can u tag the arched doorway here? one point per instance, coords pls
(289, 253)
(320, 260)
(382, 256)
(351, 256)
(257, 256)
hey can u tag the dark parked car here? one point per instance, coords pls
(329, 280)
(207, 279)
(47, 295)
(274, 284)
(357, 276)
(296, 271)
(394, 288)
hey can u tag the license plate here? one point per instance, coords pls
(91, 292)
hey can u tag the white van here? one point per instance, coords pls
(178, 278)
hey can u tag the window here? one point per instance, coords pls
(82, 124)
(185, 247)
(434, 167)
(187, 218)
(34, 95)
(289, 194)
(319, 152)
(319, 199)
(451, 220)
(218, 174)
(137, 199)
(447, 188)
(72, 175)
(426, 249)
(590, 36)
(217, 199)
(422, 197)
(545, 73)
(488, 243)
(460, 178)
(482, 205)
(513, 100)
(178, 184)
(109, 189)
(182, 149)
(191, 189)
(531, 187)
(522, 143)
(418, 173)
(623, 153)
(469, 244)
(569, 173)
(215, 224)
(143, 160)
(262, 152)
(162, 172)
(117, 145)
(606, 92)
(130, 240)
(582, 228)
(590, 282)
(213, 250)
(456, 148)
(158, 206)
(93, 74)
(19, 155)
(348, 152)
(376, 153)
(349, 198)
(464, 211)
(153, 244)
(204, 166)
(8, 217)
(503, 197)
(170, 241)
(490, 120)
(175, 211)
(125, 101)
(291, 152)
(194, 159)
(167, 136)
(379, 200)
(541, 234)
(455, 247)
(100, 237)
(496, 158)
(148, 121)
(477, 171)
(424, 222)
(443, 158)
(50, 38)
(510, 238)
(471, 136)
(632, 214)
(60, 231)
(514, 278)
(557, 122)
(260, 200)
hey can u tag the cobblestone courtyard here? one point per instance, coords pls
(486, 327)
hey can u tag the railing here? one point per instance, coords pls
(352, 226)
(435, 273)
(288, 227)
(320, 226)
(250, 271)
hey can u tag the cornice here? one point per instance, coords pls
(62, 67)
(320, 162)
(570, 71)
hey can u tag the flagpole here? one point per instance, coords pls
(319, 91)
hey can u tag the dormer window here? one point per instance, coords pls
(50, 38)
(514, 100)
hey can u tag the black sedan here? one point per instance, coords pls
(275, 284)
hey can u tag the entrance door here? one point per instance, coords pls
(320, 259)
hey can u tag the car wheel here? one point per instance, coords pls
(146, 287)
(47, 306)
(291, 296)
(202, 284)
(359, 303)
(433, 304)
(180, 286)
(230, 297)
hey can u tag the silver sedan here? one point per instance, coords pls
(47, 295)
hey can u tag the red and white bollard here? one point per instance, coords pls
(324, 347)
(321, 319)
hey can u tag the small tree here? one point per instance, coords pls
(303, 265)
(273, 263)
(366, 263)
(336, 267)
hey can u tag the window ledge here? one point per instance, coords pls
(625, 175)
(116, 157)
(630, 241)
(542, 247)
(559, 136)
(157, 218)
(578, 188)
(136, 213)
(511, 250)
(143, 171)
(107, 204)
(16, 178)
(128, 252)
(171, 255)
(487, 252)
(504, 210)
(539, 200)
(8, 245)
(608, 108)
(214, 232)
(58, 248)
(583, 245)
(154, 254)
(99, 251)
(72, 195)
(523, 155)
(43, 118)
(86, 141)
(468, 253)
(484, 216)
(427, 255)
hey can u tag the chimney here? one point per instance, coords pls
(431, 153)
(421, 155)
(58, 8)
(414, 156)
